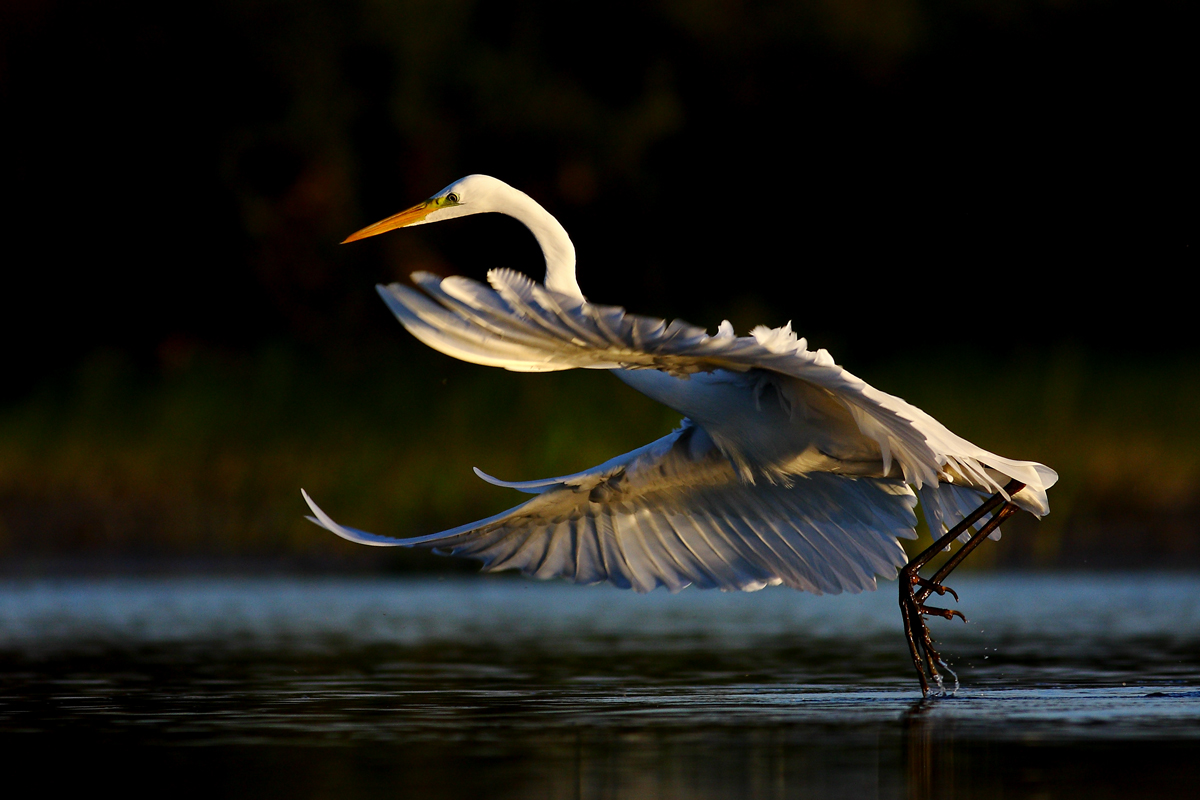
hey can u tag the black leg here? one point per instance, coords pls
(912, 600)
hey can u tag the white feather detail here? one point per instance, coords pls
(674, 513)
(520, 325)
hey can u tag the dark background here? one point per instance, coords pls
(1004, 184)
(886, 173)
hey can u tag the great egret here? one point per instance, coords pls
(786, 469)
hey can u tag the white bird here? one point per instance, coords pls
(786, 469)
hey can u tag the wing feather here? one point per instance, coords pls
(676, 513)
(518, 324)
(672, 533)
(745, 571)
(947, 504)
(685, 509)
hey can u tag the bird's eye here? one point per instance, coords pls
(452, 197)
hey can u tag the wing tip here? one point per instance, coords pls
(488, 478)
(322, 519)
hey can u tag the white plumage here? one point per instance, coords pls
(787, 469)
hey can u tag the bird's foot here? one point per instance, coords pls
(931, 587)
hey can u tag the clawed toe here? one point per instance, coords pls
(935, 587)
(945, 613)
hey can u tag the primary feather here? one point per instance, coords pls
(674, 513)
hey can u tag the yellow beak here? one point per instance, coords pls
(407, 217)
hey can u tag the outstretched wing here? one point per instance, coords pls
(675, 513)
(520, 325)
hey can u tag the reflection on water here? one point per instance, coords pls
(1075, 686)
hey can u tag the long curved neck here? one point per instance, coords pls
(553, 239)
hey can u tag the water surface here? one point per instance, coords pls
(1070, 686)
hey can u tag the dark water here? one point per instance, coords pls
(1071, 686)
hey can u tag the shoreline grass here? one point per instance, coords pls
(208, 457)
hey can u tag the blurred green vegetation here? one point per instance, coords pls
(208, 457)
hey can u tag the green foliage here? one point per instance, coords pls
(209, 457)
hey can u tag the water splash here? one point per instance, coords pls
(953, 674)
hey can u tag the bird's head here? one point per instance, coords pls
(474, 194)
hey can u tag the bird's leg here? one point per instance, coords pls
(912, 601)
(934, 584)
(930, 658)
